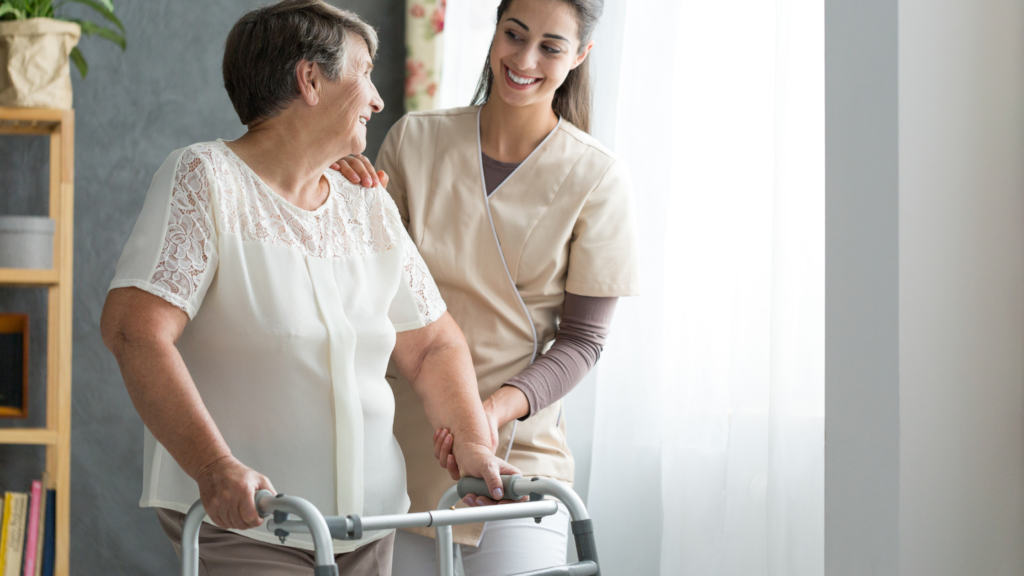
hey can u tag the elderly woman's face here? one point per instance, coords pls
(353, 98)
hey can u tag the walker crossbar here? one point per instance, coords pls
(352, 527)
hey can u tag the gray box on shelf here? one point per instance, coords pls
(26, 242)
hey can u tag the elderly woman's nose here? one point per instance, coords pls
(376, 103)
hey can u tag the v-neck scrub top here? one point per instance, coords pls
(563, 221)
(293, 316)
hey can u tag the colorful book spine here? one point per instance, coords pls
(32, 535)
(51, 532)
(15, 545)
(41, 538)
(3, 529)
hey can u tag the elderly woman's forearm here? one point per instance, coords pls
(437, 362)
(448, 389)
(170, 406)
(140, 330)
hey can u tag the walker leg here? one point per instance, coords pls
(190, 540)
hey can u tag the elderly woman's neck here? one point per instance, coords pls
(292, 162)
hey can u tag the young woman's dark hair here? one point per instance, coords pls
(572, 99)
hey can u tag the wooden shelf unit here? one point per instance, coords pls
(59, 125)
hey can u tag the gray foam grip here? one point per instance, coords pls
(325, 570)
(469, 485)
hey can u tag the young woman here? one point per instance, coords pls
(526, 224)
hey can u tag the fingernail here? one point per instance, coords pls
(448, 440)
(467, 500)
(497, 493)
(480, 501)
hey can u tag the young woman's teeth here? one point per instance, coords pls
(362, 121)
(519, 79)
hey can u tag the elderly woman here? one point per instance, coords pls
(259, 299)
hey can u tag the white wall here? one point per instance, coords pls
(961, 303)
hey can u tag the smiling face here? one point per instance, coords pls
(535, 46)
(352, 99)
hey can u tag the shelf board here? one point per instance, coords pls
(28, 277)
(27, 436)
(29, 120)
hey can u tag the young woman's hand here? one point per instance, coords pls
(358, 170)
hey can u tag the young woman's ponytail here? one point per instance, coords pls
(572, 100)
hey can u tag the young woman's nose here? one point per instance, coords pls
(525, 58)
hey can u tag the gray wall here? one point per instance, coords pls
(961, 212)
(861, 289)
(165, 92)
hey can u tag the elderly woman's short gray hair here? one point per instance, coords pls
(265, 46)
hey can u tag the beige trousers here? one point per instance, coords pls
(224, 553)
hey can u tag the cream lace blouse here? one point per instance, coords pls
(293, 316)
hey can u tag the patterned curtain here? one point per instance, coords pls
(424, 52)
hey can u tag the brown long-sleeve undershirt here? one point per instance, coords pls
(581, 335)
(582, 331)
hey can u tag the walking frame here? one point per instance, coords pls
(288, 515)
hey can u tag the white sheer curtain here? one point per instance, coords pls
(709, 429)
(703, 434)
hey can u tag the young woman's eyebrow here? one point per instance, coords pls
(527, 28)
(520, 22)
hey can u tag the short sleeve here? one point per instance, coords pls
(417, 302)
(171, 252)
(603, 255)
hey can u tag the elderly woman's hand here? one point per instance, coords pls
(228, 490)
(443, 441)
(358, 169)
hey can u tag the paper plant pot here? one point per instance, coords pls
(34, 54)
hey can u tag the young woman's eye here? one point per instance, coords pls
(512, 35)
(553, 49)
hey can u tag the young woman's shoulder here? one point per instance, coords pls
(586, 140)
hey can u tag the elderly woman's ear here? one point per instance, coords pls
(309, 79)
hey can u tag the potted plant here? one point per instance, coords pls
(36, 45)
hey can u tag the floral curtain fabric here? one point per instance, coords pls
(424, 52)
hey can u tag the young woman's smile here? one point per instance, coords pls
(517, 81)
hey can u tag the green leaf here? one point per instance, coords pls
(79, 60)
(8, 9)
(93, 28)
(105, 8)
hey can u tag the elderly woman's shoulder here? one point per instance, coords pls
(200, 152)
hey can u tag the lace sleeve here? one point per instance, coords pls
(189, 247)
(428, 297)
(420, 287)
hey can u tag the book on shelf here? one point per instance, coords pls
(41, 533)
(32, 529)
(50, 534)
(15, 513)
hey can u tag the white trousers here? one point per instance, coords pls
(506, 547)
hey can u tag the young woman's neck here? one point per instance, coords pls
(511, 133)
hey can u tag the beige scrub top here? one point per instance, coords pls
(563, 221)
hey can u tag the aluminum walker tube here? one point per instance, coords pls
(516, 487)
(266, 504)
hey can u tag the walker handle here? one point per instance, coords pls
(470, 485)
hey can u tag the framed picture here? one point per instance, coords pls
(13, 365)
